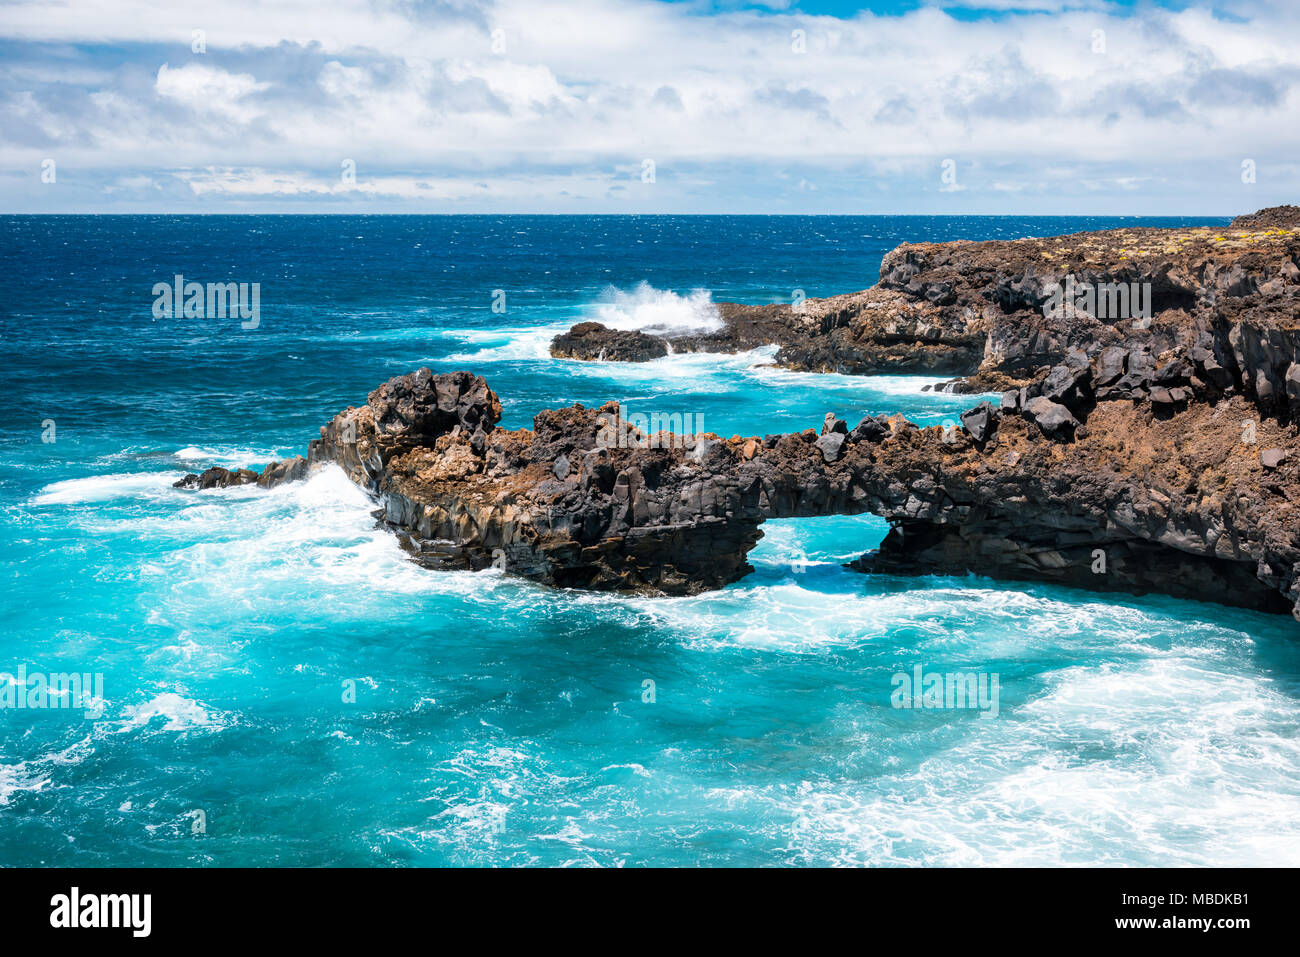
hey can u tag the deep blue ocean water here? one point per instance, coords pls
(497, 722)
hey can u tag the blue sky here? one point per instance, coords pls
(644, 106)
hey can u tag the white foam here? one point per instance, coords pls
(903, 386)
(103, 488)
(1130, 764)
(503, 345)
(227, 456)
(657, 311)
(699, 373)
(179, 713)
(32, 776)
(17, 778)
(309, 549)
(644, 308)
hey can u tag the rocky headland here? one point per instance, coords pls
(973, 311)
(1143, 445)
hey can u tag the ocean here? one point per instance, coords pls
(281, 686)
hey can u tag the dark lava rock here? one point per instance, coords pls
(217, 477)
(1271, 218)
(595, 341)
(873, 428)
(1176, 505)
(1069, 385)
(1210, 369)
(1054, 419)
(1292, 382)
(412, 411)
(1137, 380)
(1174, 372)
(277, 473)
(832, 424)
(287, 470)
(1161, 398)
(980, 421)
(831, 445)
(1110, 365)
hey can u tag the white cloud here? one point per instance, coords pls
(583, 89)
(253, 182)
(208, 89)
(521, 86)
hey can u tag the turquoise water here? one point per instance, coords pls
(497, 722)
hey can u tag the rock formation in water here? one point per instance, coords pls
(1135, 452)
(976, 309)
(591, 340)
(275, 473)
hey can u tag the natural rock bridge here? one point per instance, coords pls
(999, 497)
(1159, 455)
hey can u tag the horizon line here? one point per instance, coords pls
(628, 215)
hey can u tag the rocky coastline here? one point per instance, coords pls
(1150, 448)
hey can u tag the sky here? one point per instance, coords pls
(649, 106)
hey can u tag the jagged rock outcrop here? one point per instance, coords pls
(1135, 453)
(287, 470)
(276, 473)
(217, 477)
(1271, 218)
(742, 328)
(405, 413)
(1136, 501)
(998, 314)
(592, 340)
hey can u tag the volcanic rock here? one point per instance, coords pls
(832, 424)
(288, 470)
(871, 429)
(980, 421)
(217, 477)
(1272, 218)
(595, 341)
(1272, 458)
(981, 311)
(1115, 435)
(1052, 418)
(831, 444)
